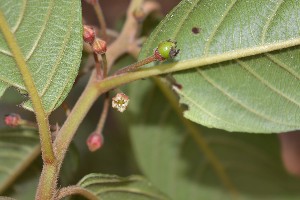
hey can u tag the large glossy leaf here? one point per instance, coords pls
(49, 35)
(187, 161)
(243, 92)
(109, 187)
(18, 147)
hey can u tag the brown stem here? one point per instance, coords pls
(136, 65)
(104, 63)
(101, 19)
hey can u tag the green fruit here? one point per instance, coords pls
(164, 49)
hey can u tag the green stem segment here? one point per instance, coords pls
(41, 116)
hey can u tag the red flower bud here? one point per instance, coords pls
(99, 46)
(12, 120)
(88, 34)
(94, 141)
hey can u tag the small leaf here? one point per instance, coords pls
(245, 93)
(187, 161)
(50, 37)
(108, 187)
(18, 147)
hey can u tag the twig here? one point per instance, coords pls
(100, 17)
(71, 190)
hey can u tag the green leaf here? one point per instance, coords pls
(18, 147)
(187, 161)
(49, 34)
(246, 85)
(109, 187)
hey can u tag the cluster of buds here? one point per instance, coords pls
(89, 36)
(120, 102)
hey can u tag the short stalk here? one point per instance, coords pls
(97, 66)
(136, 65)
(104, 63)
(104, 113)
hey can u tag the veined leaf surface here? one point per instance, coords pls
(187, 161)
(110, 187)
(49, 34)
(251, 51)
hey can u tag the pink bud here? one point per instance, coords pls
(99, 46)
(94, 141)
(88, 34)
(12, 120)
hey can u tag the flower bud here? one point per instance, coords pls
(88, 34)
(99, 46)
(120, 102)
(12, 120)
(139, 15)
(94, 141)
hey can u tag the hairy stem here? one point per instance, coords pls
(71, 190)
(41, 116)
(47, 183)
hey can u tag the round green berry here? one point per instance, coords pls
(164, 49)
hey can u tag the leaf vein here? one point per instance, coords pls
(266, 83)
(283, 65)
(237, 101)
(207, 111)
(266, 27)
(14, 29)
(37, 41)
(210, 38)
(65, 42)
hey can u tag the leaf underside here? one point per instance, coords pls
(49, 33)
(250, 94)
(109, 187)
(170, 156)
(18, 147)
